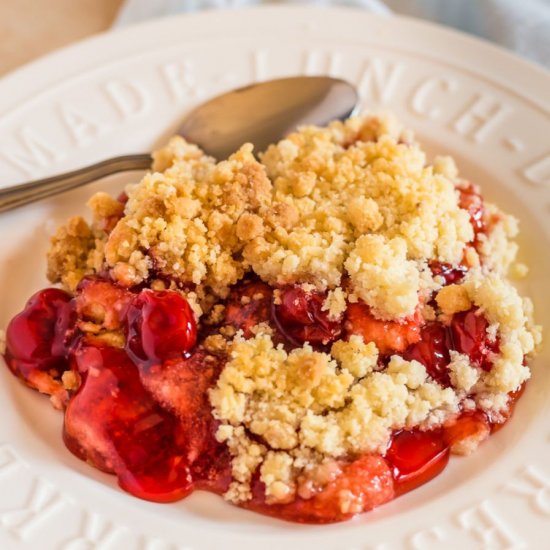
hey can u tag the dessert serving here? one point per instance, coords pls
(310, 334)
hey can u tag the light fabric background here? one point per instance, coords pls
(520, 25)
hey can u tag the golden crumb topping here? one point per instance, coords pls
(191, 221)
(383, 277)
(504, 308)
(325, 405)
(344, 189)
(74, 252)
(353, 200)
(453, 299)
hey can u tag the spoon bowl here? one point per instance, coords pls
(263, 113)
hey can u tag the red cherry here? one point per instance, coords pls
(416, 457)
(38, 338)
(432, 351)
(160, 325)
(114, 423)
(389, 336)
(300, 317)
(469, 335)
(297, 306)
(450, 274)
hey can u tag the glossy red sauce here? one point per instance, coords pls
(142, 412)
(432, 350)
(300, 317)
(416, 457)
(114, 423)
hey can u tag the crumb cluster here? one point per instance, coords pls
(319, 405)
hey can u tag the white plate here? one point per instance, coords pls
(123, 92)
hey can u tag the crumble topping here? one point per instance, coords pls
(502, 305)
(463, 375)
(329, 405)
(498, 249)
(353, 210)
(308, 212)
(383, 277)
(453, 299)
(72, 253)
(380, 186)
(335, 303)
(185, 222)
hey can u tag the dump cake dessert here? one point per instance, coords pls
(310, 334)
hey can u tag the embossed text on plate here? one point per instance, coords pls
(533, 483)
(483, 114)
(487, 527)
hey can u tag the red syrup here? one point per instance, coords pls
(117, 422)
(301, 318)
(416, 457)
(114, 423)
(432, 350)
(143, 414)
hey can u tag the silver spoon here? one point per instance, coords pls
(261, 114)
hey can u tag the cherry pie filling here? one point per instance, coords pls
(115, 419)
(132, 368)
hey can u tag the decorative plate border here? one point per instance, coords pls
(59, 127)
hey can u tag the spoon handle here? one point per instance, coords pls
(24, 193)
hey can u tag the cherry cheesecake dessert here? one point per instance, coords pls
(309, 335)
